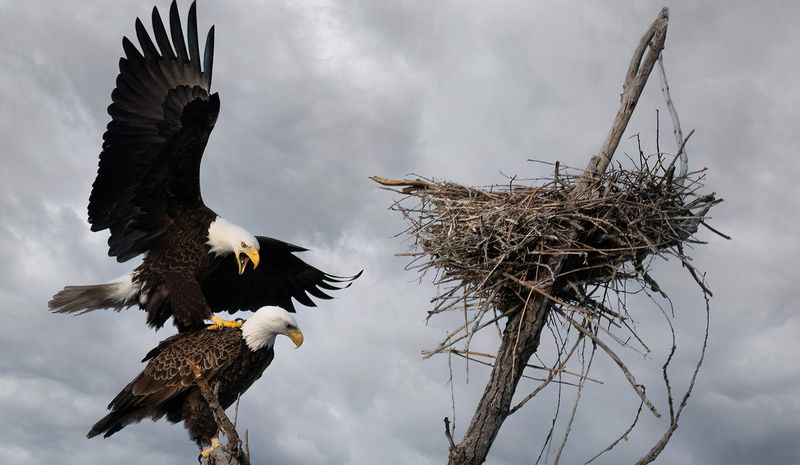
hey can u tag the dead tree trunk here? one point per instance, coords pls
(524, 325)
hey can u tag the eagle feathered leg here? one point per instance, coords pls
(220, 323)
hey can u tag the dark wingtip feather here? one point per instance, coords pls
(343, 279)
(160, 33)
(177, 32)
(316, 292)
(130, 50)
(138, 140)
(148, 47)
(356, 276)
(208, 57)
(191, 30)
(107, 426)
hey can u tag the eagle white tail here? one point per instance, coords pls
(116, 295)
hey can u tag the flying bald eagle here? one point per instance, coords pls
(232, 357)
(147, 194)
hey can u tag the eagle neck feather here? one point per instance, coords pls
(260, 330)
(258, 335)
(223, 236)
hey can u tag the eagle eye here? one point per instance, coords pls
(244, 245)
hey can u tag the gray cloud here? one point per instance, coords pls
(316, 97)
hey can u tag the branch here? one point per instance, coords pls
(448, 434)
(676, 123)
(408, 185)
(624, 436)
(638, 388)
(234, 451)
(635, 80)
(585, 370)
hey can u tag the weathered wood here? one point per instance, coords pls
(638, 72)
(234, 452)
(676, 124)
(520, 340)
(408, 185)
(523, 329)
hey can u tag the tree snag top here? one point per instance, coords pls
(563, 254)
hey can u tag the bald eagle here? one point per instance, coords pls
(232, 357)
(147, 194)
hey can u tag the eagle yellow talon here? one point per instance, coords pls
(206, 452)
(220, 323)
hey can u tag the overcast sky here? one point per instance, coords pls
(319, 95)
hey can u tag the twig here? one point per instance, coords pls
(236, 410)
(628, 375)
(575, 405)
(656, 450)
(676, 123)
(529, 365)
(547, 381)
(448, 434)
(481, 362)
(619, 439)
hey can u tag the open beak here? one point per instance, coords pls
(296, 336)
(248, 254)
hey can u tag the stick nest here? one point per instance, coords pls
(481, 241)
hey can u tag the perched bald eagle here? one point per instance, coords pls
(147, 194)
(232, 357)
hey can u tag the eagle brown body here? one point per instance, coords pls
(166, 387)
(171, 274)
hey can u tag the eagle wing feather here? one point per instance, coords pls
(168, 372)
(281, 277)
(162, 115)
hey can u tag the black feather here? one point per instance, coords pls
(177, 33)
(161, 36)
(162, 116)
(191, 29)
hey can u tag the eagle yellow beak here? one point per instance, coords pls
(247, 254)
(296, 336)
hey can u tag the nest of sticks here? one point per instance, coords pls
(488, 246)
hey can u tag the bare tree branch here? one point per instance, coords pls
(676, 123)
(233, 453)
(448, 434)
(635, 79)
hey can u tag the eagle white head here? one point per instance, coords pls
(261, 329)
(225, 237)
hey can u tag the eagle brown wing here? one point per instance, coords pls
(168, 372)
(168, 376)
(162, 115)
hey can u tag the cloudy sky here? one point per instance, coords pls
(319, 95)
